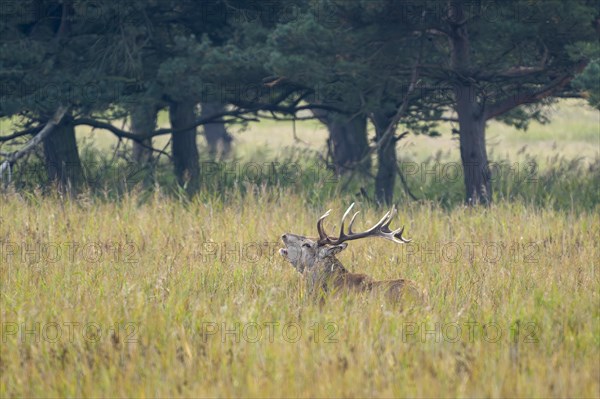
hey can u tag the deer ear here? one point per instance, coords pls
(336, 249)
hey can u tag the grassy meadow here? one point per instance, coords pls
(157, 295)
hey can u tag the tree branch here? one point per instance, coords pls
(509, 103)
(45, 132)
(405, 183)
(215, 118)
(25, 132)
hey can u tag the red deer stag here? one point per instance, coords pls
(315, 259)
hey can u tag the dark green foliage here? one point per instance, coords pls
(589, 82)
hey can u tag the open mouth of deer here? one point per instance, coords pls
(283, 251)
(295, 246)
(288, 241)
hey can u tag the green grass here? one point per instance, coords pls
(169, 272)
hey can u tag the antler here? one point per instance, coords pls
(380, 229)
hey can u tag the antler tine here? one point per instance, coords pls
(352, 222)
(381, 223)
(342, 234)
(322, 234)
(391, 214)
(397, 236)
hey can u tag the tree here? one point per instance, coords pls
(360, 55)
(100, 60)
(483, 60)
(25, 83)
(185, 149)
(500, 60)
(143, 117)
(313, 52)
(59, 54)
(62, 161)
(347, 143)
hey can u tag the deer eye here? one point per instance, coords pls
(306, 245)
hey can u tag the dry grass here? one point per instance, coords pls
(168, 273)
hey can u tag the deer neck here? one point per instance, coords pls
(332, 265)
(327, 270)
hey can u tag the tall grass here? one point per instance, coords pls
(170, 297)
(551, 181)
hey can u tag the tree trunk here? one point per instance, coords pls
(473, 152)
(386, 156)
(143, 121)
(215, 133)
(348, 143)
(62, 161)
(185, 150)
(471, 114)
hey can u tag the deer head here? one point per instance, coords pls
(305, 253)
